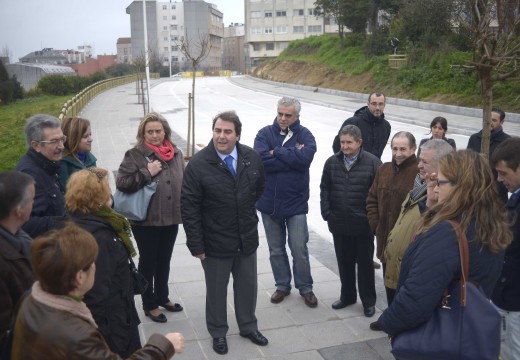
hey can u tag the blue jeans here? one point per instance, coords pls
(294, 229)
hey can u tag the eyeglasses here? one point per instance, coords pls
(442, 182)
(54, 142)
(381, 104)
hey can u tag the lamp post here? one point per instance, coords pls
(170, 36)
(146, 58)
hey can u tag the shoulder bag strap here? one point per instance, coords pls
(464, 259)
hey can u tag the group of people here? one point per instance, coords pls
(60, 198)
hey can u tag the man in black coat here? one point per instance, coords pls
(497, 136)
(506, 161)
(45, 144)
(370, 119)
(221, 185)
(346, 180)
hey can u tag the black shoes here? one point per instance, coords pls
(340, 304)
(161, 318)
(172, 308)
(374, 326)
(369, 311)
(256, 337)
(220, 345)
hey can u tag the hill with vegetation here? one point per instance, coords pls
(441, 76)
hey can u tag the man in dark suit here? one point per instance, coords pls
(221, 185)
(506, 161)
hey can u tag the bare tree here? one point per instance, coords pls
(496, 51)
(6, 52)
(195, 51)
(140, 63)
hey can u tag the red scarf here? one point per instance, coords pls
(165, 151)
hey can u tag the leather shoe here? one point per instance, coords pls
(161, 318)
(172, 308)
(278, 296)
(369, 311)
(310, 299)
(220, 345)
(375, 326)
(256, 337)
(340, 304)
(377, 265)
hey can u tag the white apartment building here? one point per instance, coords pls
(272, 24)
(168, 23)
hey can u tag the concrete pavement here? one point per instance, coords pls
(294, 330)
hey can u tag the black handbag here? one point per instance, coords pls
(140, 282)
(466, 325)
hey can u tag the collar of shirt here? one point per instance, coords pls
(234, 155)
(352, 159)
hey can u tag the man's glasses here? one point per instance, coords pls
(381, 104)
(54, 142)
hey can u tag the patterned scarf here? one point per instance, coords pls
(165, 151)
(419, 188)
(120, 225)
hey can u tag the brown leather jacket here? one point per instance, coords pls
(133, 174)
(385, 197)
(48, 331)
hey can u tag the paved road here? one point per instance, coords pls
(294, 331)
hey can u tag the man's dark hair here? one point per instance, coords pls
(351, 130)
(376, 93)
(500, 112)
(509, 152)
(13, 191)
(230, 116)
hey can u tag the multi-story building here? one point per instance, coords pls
(124, 50)
(170, 23)
(54, 57)
(272, 24)
(233, 54)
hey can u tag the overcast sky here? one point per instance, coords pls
(30, 25)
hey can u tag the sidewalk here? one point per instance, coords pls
(294, 330)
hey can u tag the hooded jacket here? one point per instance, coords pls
(375, 131)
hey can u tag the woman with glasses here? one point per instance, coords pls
(111, 299)
(466, 193)
(78, 146)
(438, 129)
(155, 158)
(53, 321)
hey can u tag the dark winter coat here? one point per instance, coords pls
(430, 264)
(507, 292)
(287, 170)
(16, 275)
(375, 131)
(49, 201)
(390, 187)
(344, 193)
(69, 165)
(133, 174)
(218, 209)
(111, 299)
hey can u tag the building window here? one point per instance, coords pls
(175, 37)
(314, 29)
(165, 28)
(164, 7)
(174, 27)
(165, 17)
(268, 30)
(174, 17)
(175, 48)
(256, 47)
(256, 30)
(298, 12)
(165, 38)
(175, 58)
(256, 14)
(297, 29)
(166, 48)
(312, 12)
(173, 7)
(281, 13)
(269, 46)
(281, 29)
(268, 14)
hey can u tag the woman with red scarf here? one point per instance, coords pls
(155, 158)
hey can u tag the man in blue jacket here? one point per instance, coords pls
(287, 150)
(506, 161)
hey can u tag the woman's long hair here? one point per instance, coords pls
(473, 197)
(73, 128)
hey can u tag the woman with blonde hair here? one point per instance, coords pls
(466, 193)
(53, 321)
(155, 158)
(111, 299)
(77, 154)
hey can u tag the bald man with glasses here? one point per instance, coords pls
(45, 144)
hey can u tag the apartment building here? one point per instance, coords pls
(233, 54)
(124, 50)
(169, 23)
(272, 24)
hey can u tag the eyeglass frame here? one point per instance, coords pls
(443, 182)
(53, 142)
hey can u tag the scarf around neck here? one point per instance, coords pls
(165, 151)
(120, 225)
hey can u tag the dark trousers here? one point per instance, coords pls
(352, 250)
(390, 293)
(245, 289)
(155, 244)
